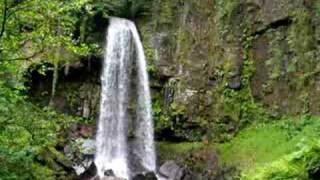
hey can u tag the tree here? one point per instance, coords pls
(33, 31)
(37, 30)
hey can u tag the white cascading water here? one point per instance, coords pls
(124, 52)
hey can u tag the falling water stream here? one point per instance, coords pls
(122, 110)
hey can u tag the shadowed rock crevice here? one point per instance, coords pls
(274, 25)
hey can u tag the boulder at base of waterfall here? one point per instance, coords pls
(145, 176)
(89, 173)
(109, 173)
(81, 152)
(172, 171)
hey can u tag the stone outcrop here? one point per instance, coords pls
(199, 51)
(171, 170)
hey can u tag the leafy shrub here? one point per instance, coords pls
(28, 137)
(297, 165)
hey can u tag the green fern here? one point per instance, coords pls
(297, 165)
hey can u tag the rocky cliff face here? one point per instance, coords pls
(217, 65)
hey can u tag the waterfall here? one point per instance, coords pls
(124, 71)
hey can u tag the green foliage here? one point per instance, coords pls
(254, 145)
(176, 151)
(162, 121)
(172, 120)
(129, 9)
(36, 30)
(225, 14)
(277, 57)
(282, 149)
(302, 45)
(300, 38)
(292, 60)
(171, 123)
(317, 8)
(44, 30)
(297, 165)
(264, 143)
(238, 108)
(248, 109)
(28, 137)
(166, 13)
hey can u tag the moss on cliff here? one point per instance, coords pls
(225, 77)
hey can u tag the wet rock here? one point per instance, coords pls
(185, 96)
(172, 171)
(86, 109)
(83, 166)
(90, 173)
(168, 96)
(274, 10)
(109, 173)
(80, 152)
(145, 176)
(162, 58)
(235, 83)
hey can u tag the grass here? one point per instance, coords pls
(259, 144)
(263, 143)
(254, 146)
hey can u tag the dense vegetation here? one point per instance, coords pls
(227, 78)
(34, 32)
